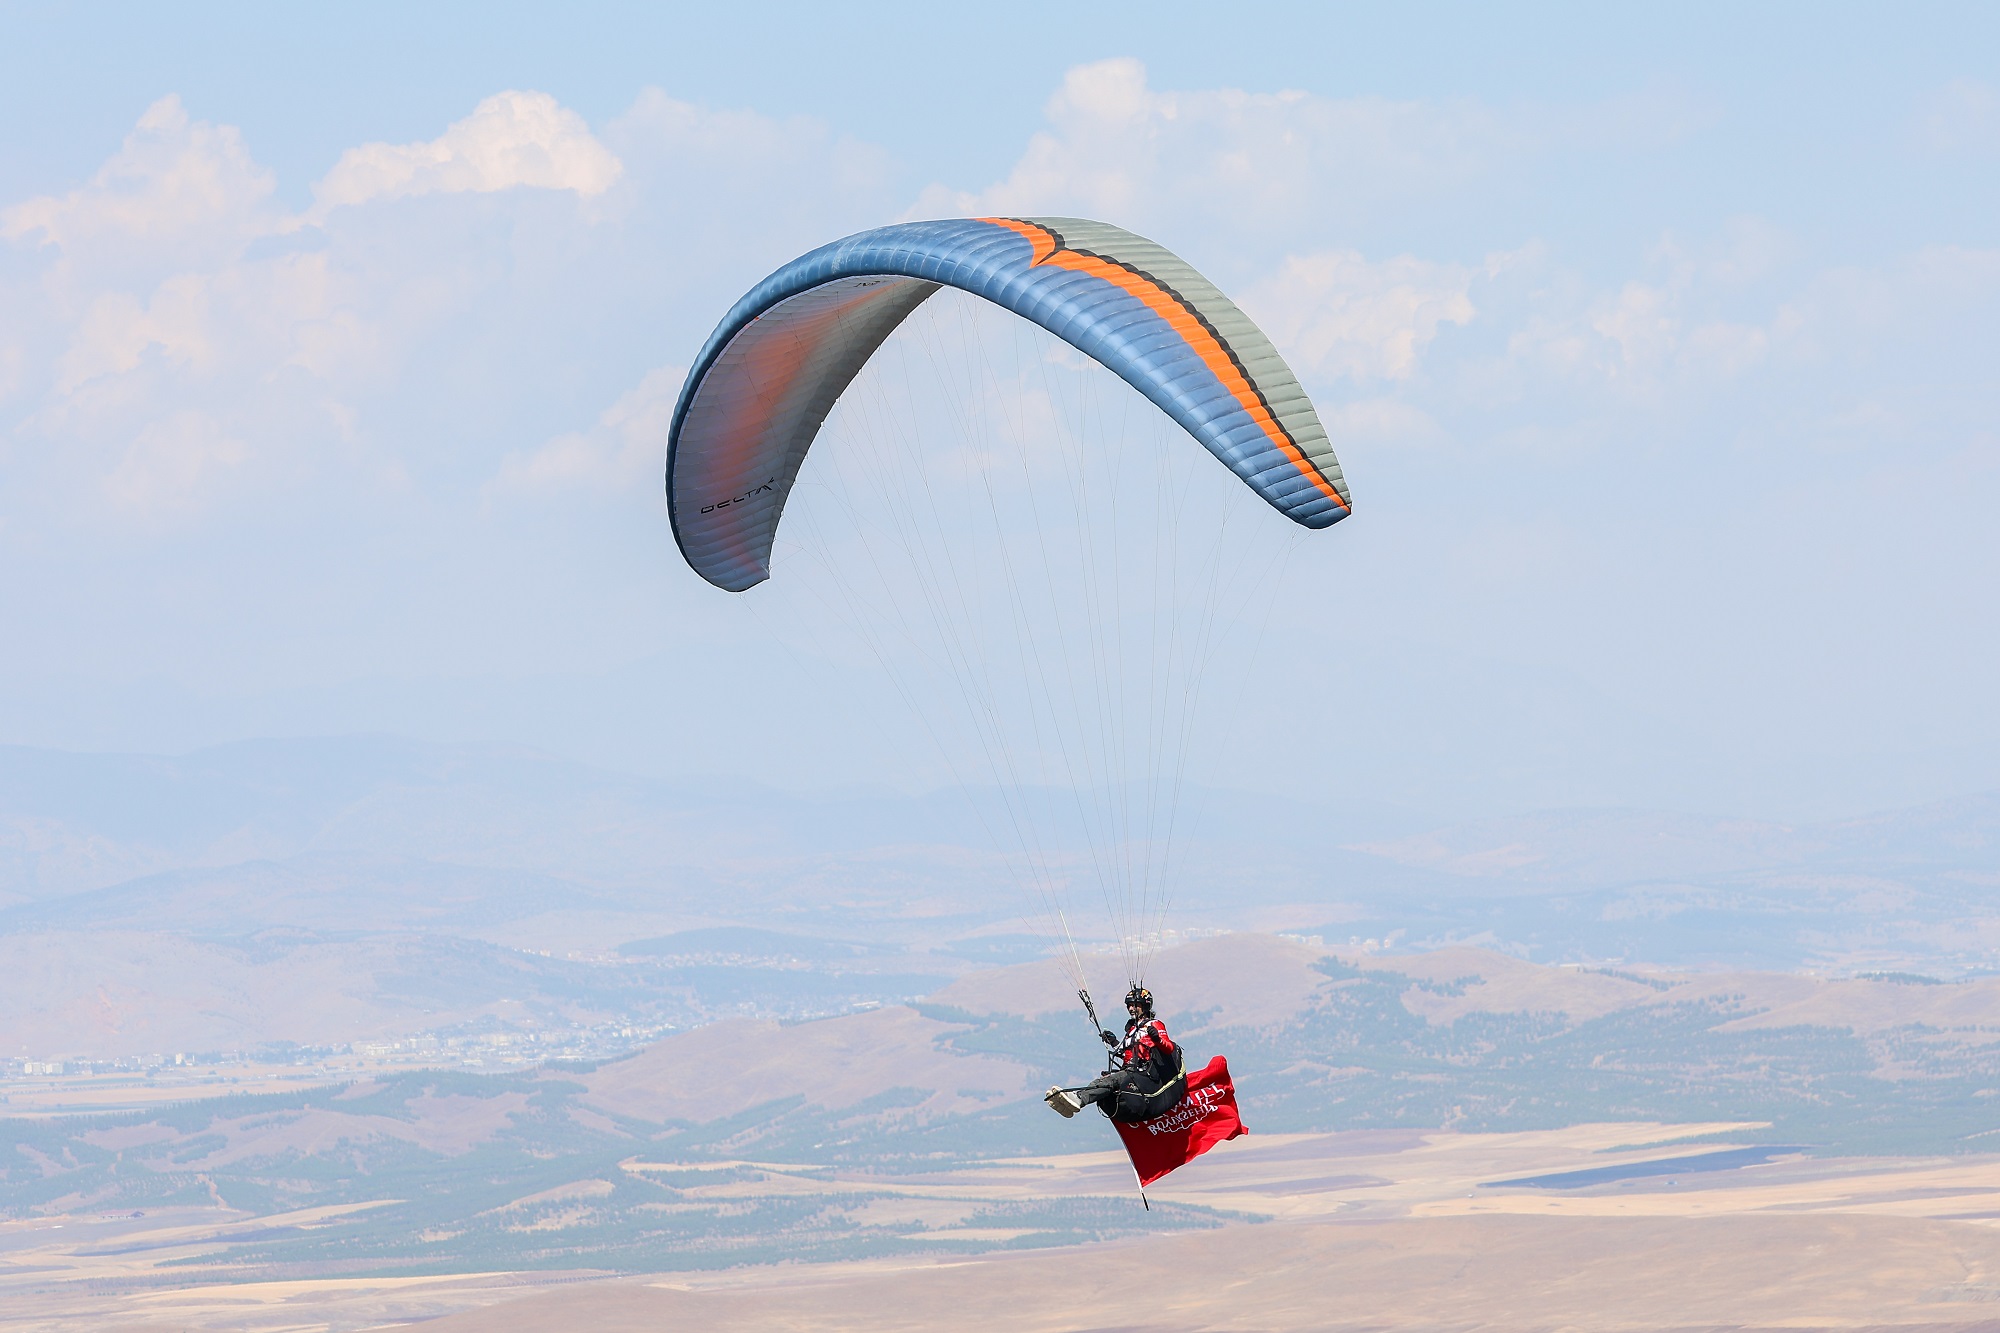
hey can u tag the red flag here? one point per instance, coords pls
(1205, 1117)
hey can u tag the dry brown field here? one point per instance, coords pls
(83, 1093)
(1375, 1230)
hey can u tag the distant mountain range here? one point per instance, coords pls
(195, 899)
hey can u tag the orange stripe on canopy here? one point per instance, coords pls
(1183, 321)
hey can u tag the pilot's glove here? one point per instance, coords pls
(1105, 1036)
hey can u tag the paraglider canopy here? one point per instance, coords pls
(763, 384)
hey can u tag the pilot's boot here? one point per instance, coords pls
(1063, 1102)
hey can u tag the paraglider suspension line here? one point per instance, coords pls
(1091, 1010)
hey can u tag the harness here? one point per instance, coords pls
(1132, 1104)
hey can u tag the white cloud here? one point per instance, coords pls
(186, 327)
(1246, 163)
(1637, 327)
(173, 340)
(1256, 163)
(151, 263)
(1723, 350)
(164, 472)
(1842, 354)
(1639, 338)
(1379, 421)
(625, 447)
(117, 330)
(1335, 314)
(177, 191)
(511, 139)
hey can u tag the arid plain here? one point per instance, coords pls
(1372, 1229)
(1391, 1227)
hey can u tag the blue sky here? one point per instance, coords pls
(335, 347)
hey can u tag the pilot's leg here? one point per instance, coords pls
(1105, 1086)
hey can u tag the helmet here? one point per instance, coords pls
(1142, 997)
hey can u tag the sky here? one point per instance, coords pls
(337, 348)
